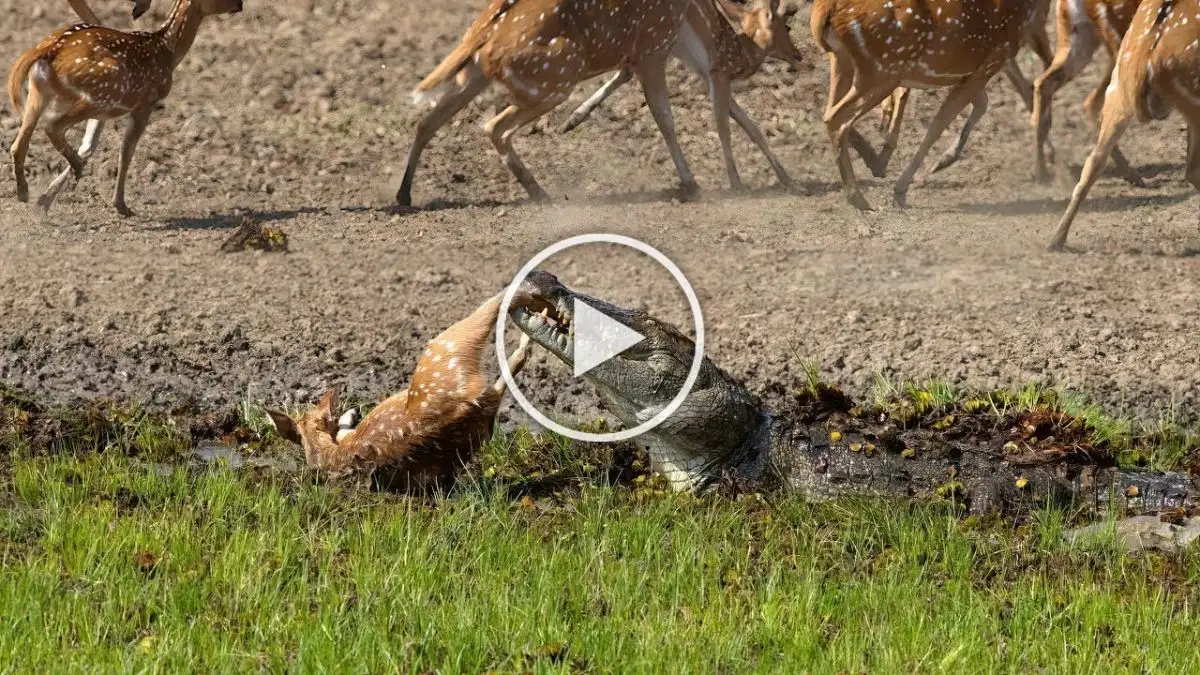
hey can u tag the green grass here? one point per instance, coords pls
(548, 557)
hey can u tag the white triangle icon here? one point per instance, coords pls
(598, 338)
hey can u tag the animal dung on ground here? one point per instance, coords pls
(251, 235)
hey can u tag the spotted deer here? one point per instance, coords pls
(420, 436)
(85, 72)
(718, 54)
(91, 134)
(1157, 69)
(893, 107)
(1080, 27)
(539, 50)
(876, 46)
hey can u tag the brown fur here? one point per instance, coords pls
(877, 46)
(539, 50)
(97, 73)
(1158, 69)
(1102, 22)
(421, 435)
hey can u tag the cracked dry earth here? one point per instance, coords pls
(297, 113)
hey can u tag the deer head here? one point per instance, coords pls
(315, 430)
(764, 23)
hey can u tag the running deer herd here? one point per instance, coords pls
(540, 50)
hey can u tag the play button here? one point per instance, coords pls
(598, 338)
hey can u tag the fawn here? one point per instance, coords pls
(1080, 25)
(876, 46)
(94, 127)
(87, 72)
(420, 436)
(1157, 68)
(539, 50)
(718, 54)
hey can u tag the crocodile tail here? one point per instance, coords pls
(822, 14)
(1136, 55)
(17, 77)
(430, 88)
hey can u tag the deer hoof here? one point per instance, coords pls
(124, 210)
(901, 198)
(539, 195)
(403, 198)
(689, 191)
(22, 193)
(858, 201)
(1133, 178)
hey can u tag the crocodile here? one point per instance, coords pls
(722, 434)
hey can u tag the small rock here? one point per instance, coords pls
(1143, 532)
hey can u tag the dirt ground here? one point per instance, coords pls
(297, 112)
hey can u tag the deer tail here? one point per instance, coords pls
(430, 89)
(17, 78)
(822, 13)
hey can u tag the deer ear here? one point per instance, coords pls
(284, 425)
(329, 402)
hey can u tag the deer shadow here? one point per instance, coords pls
(626, 198)
(1048, 205)
(231, 221)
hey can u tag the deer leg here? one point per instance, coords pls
(35, 105)
(1074, 51)
(978, 107)
(56, 131)
(718, 88)
(1039, 41)
(515, 363)
(876, 162)
(1192, 172)
(1019, 82)
(138, 119)
(1093, 105)
(840, 117)
(758, 139)
(91, 138)
(1114, 121)
(899, 99)
(652, 75)
(445, 110)
(972, 89)
(500, 130)
(585, 109)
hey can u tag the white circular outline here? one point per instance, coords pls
(697, 323)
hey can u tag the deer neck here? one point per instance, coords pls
(732, 52)
(746, 57)
(178, 32)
